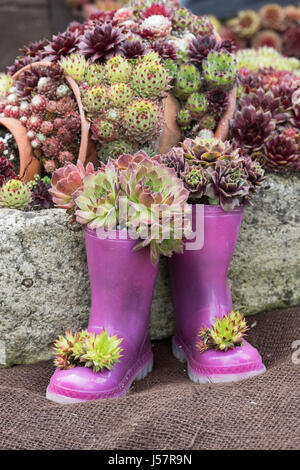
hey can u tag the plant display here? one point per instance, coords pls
(272, 26)
(45, 105)
(266, 123)
(151, 193)
(215, 172)
(123, 101)
(86, 349)
(226, 333)
(6, 169)
(126, 61)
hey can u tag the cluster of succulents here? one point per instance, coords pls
(134, 193)
(267, 119)
(186, 47)
(43, 102)
(122, 100)
(266, 57)
(272, 26)
(86, 349)
(15, 194)
(6, 168)
(226, 333)
(215, 172)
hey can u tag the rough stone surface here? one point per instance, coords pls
(44, 285)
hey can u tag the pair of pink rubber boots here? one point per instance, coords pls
(122, 284)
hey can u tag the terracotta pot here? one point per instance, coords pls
(29, 165)
(171, 134)
(87, 151)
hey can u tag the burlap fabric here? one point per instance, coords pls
(166, 411)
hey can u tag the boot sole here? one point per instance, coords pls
(179, 354)
(64, 400)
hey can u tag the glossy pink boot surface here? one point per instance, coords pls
(122, 284)
(201, 293)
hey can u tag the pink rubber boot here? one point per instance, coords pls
(201, 294)
(122, 284)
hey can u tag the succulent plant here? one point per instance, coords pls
(197, 105)
(246, 23)
(87, 349)
(200, 47)
(217, 100)
(6, 82)
(188, 80)
(41, 198)
(6, 170)
(66, 182)
(115, 149)
(272, 16)
(165, 50)
(228, 184)
(95, 98)
(195, 181)
(267, 38)
(94, 74)
(132, 49)
(251, 127)
(226, 333)
(62, 45)
(101, 42)
(206, 150)
(118, 69)
(150, 78)
(184, 118)
(182, 19)
(281, 153)
(15, 194)
(141, 120)
(154, 194)
(75, 66)
(291, 41)
(220, 69)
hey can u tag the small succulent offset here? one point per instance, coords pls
(15, 195)
(133, 193)
(86, 349)
(215, 172)
(226, 333)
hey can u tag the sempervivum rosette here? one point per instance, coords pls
(153, 196)
(228, 184)
(156, 199)
(215, 172)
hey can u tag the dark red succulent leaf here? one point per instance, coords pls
(6, 171)
(62, 45)
(157, 9)
(281, 152)
(200, 47)
(165, 50)
(251, 127)
(101, 42)
(217, 101)
(41, 198)
(132, 49)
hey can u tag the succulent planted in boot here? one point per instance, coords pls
(66, 182)
(226, 333)
(228, 184)
(118, 69)
(86, 349)
(15, 194)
